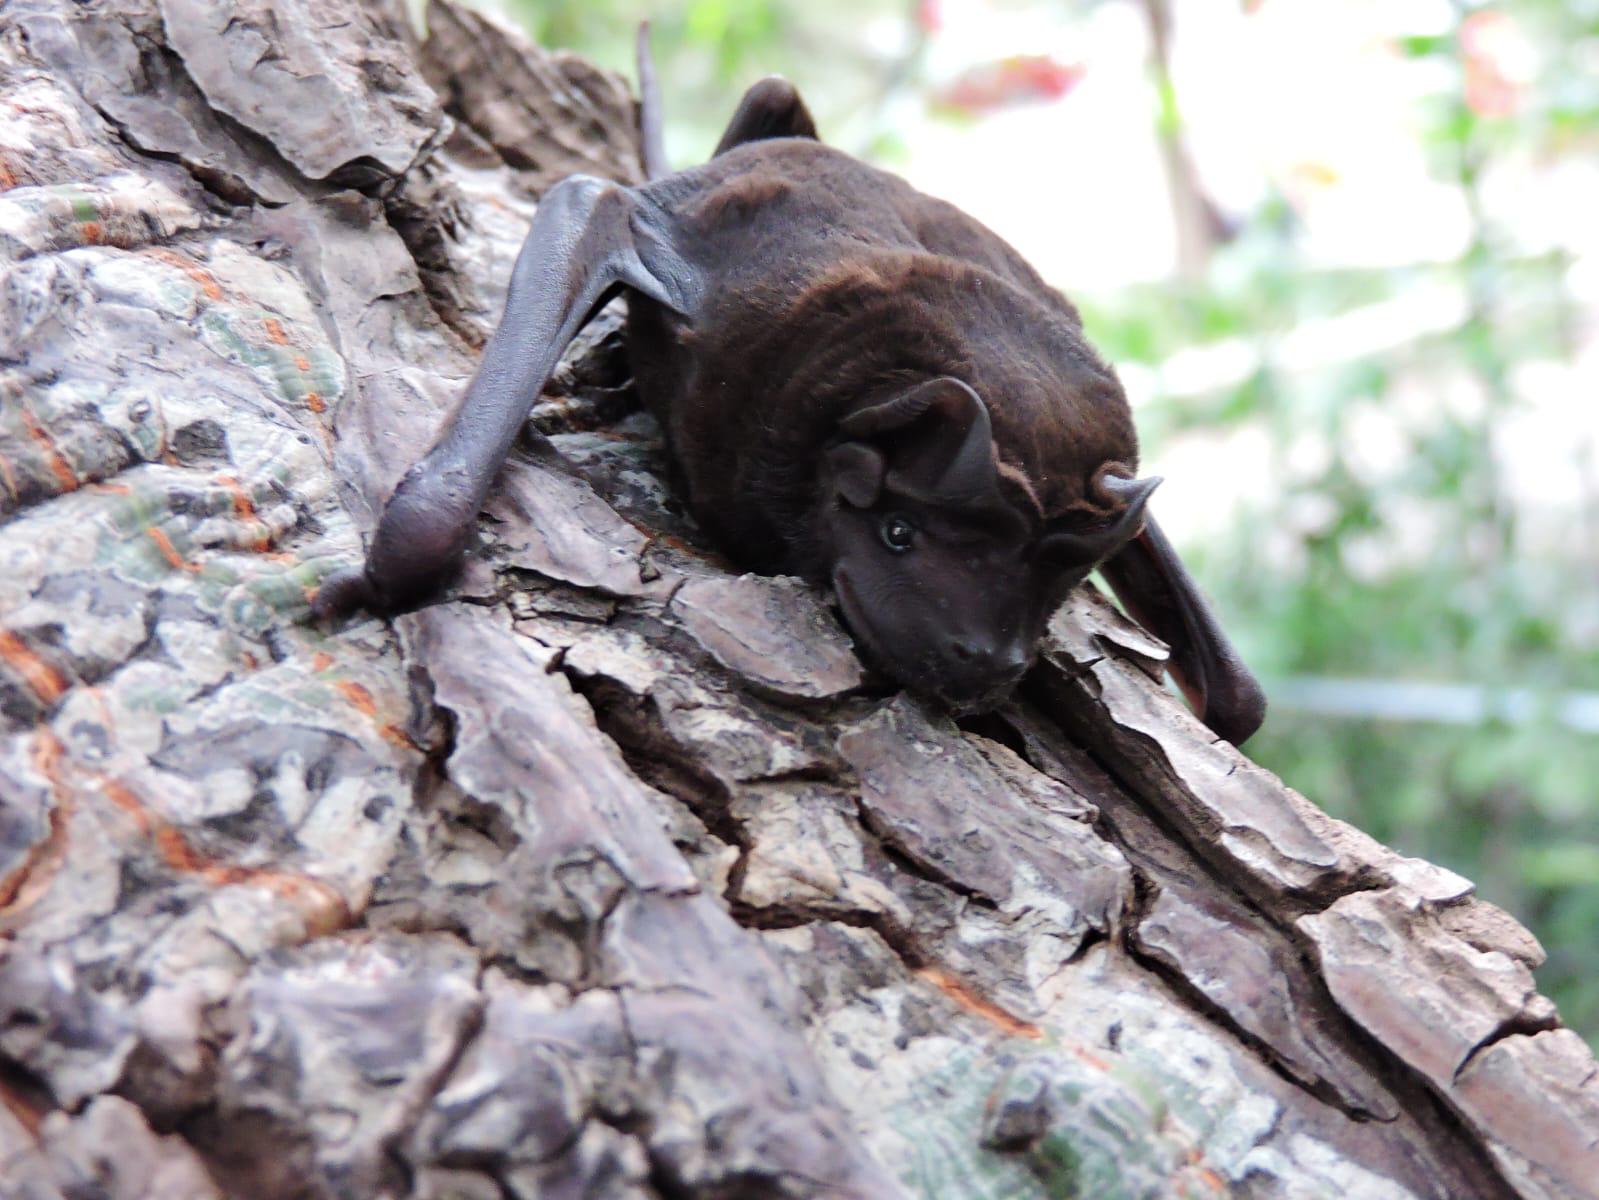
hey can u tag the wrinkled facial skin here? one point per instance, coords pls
(949, 602)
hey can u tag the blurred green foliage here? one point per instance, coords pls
(708, 51)
(1323, 579)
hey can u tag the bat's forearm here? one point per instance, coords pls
(580, 250)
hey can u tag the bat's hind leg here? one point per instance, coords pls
(770, 109)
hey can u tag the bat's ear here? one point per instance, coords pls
(937, 442)
(1156, 590)
(857, 472)
(1085, 548)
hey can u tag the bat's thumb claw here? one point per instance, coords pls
(342, 593)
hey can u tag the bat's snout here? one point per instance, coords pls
(975, 675)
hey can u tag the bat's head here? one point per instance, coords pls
(945, 583)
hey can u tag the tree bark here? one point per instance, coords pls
(613, 874)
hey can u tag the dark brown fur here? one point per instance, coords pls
(830, 284)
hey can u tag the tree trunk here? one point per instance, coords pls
(614, 874)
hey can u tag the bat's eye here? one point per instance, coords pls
(898, 534)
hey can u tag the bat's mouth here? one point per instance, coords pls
(922, 677)
(855, 620)
(963, 698)
(965, 705)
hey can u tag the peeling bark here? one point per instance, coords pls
(615, 873)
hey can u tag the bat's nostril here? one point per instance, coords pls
(962, 651)
(1007, 661)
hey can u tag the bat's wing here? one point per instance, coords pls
(589, 238)
(1155, 588)
(652, 143)
(772, 108)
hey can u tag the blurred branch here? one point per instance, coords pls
(895, 76)
(1199, 223)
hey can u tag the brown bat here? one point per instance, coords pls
(861, 385)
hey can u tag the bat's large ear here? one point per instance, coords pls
(1155, 588)
(770, 109)
(1086, 547)
(936, 440)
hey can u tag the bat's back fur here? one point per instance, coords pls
(829, 283)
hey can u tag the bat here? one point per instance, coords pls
(860, 384)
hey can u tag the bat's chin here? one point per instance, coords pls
(963, 693)
(967, 705)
